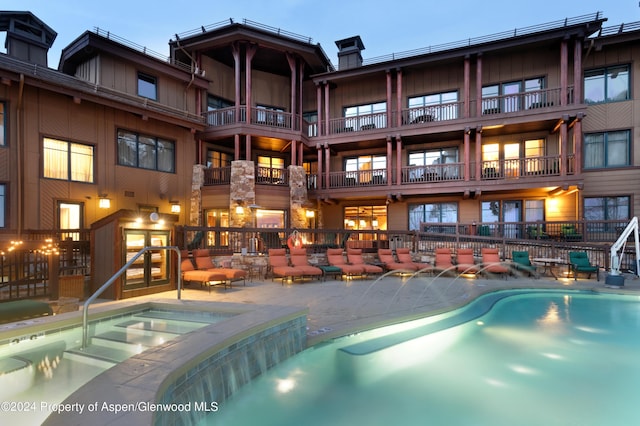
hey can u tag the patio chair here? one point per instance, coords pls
(280, 268)
(205, 262)
(443, 259)
(335, 257)
(569, 233)
(204, 277)
(579, 262)
(465, 262)
(404, 256)
(521, 262)
(299, 259)
(390, 263)
(355, 258)
(492, 264)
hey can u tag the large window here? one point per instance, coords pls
(606, 84)
(363, 117)
(270, 115)
(434, 164)
(366, 168)
(218, 159)
(3, 205)
(510, 96)
(215, 103)
(432, 213)
(70, 217)
(607, 149)
(607, 208)
(434, 107)
(147, 86)
(145, 152)
(67, 160)
(3, 124)
(365, 218)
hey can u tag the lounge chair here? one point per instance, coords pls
(492, 264)
(280, 267)
(579, 262)
(299, 259)
(205, 262)
(354, 256)
(391, 264)
(465, 262)
(521, 262)
(443, 259)
(204, 277)
(404, 256)
(335, 257)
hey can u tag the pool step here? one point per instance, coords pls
(100, 356)
(134, 341)
(198, 317)
(170, 328)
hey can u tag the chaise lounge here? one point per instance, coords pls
(335, 257)
(205, 262)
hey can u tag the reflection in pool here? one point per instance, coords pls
(525, 358)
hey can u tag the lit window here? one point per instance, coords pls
(432, 213)
(3, 205)
(369, 116)
(3, 119)
(434, 107)
(67, 160)
(147, 86)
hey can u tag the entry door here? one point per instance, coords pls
(512, 212)
(512, 160)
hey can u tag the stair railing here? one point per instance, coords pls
(94, 296)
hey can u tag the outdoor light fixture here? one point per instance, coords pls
(310, 213)
(239, 209)
(175, 207)
(104, 202)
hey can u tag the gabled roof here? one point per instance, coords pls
(26, 26)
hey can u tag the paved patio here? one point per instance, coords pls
(341, 307)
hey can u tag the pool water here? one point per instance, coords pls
(38, 371)
(537, 358)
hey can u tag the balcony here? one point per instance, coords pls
(263, 176)
(518, 104)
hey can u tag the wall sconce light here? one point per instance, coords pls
(239, 209)
(104, 202)
(310, 214)
(175, 206)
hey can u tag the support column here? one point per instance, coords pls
(300, 104)
(294, 152)
(327, 181)
(236, 147)
(389, 101)
(300, 153)
(294, 77)
(478, 168)
(247, 147)
(466, 87)
(577, 144)
(326, 107)
(399, 97)
(479, 85)
(389, 161)
(250, 52)
(398, 160)
(319, 131)
(320, 178)
(563, 145)
(577, 72)
(564, 66)
(467, 154)
(235, 48)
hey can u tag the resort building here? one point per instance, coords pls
(248, 126)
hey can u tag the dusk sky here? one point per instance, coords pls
(385, 27)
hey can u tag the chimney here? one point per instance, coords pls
(28, 38)
(349, 52)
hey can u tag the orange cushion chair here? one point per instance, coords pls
(205, 262)
(443, 260)
(335, 257)
(404, 256)
(390, 263)
(280, 267)
(204, 277)
(298, 257)
(355, 258)
(492, 263)
(465, 262)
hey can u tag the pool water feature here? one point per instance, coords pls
(40, 369)
(511, 357)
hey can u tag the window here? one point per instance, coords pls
(67, 160)
(534, 210)
(271, 170)
(435, 164)
(311, 118)
(438, 106)
(432, 213)
(145, 152)
(70, 217)
(272, 116)
(147, 86)
(218, 159)
(369, 116)
(3, 205)
(607, 208)
(609, 84)
(366, 168)
(3, 125)
(509, 97)
(218, 218)
(365, 218)
(220, 118)
(607, 149)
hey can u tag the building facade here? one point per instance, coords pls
(245, 125)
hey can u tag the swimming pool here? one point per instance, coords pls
(40, 367)
(511, 357)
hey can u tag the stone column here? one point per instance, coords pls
(195, 206)
(242, 193)
(298, 196)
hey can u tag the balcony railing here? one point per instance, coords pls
(433, 173)
(531, 100)
(358, 123)
(271, 176)
(217, 176)
(258, 116)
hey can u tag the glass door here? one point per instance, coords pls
(152, 267)
(512, 212)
